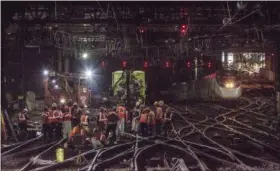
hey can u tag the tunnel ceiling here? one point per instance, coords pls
(117, 28)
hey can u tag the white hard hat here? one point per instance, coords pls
(137, 103)
(54, 105)
(25, 110)
(161, 102)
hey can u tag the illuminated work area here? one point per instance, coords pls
(140, 86)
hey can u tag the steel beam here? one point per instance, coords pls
(120, 21)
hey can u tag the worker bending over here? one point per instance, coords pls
(168, 126)
(112, 125)
(45, 123)
(74, 113)
(121, 111)
(98, 140)
(144, 121)
(77, 130)
(22, 122)
(67, 125)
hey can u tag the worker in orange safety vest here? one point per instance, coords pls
(45, 124)
(122, 113)
(54, 118)
(74, 113)
(144, 121)
(22, 121)
(84, 124)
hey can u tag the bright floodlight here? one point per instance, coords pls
(62, 100)
(85, 55)
(53, 81)
(46, 72)
(88, 73)
(56, 86)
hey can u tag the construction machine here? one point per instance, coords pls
(60, 87)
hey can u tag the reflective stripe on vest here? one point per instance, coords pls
(54, 116)
(84, 120)
(57, 115)
(143, 118)
(22, 117)
(50, 117)
(67, 116)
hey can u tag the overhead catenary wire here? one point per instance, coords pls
(229, 22)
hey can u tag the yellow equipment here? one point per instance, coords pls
(60, 155)
(136, 78)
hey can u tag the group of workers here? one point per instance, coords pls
(70, 120)
(155, 120)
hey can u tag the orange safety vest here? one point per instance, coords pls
(45, 117)
(144, 118)
(76, 130)
(54, 116)
(21, 117)
(121, 111)
(58, 115)
(67, 116)
(84, 119)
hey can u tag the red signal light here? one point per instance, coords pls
(188, 64)
(183, 26)
(209, 64)
(102, 64)
(145, 64)
(167, 64)
(124, 63)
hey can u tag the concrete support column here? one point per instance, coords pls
(277, 88)
(59, 61)
(66, 65)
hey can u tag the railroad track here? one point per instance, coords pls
(206, 137)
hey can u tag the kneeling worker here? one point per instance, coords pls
(98, 140)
